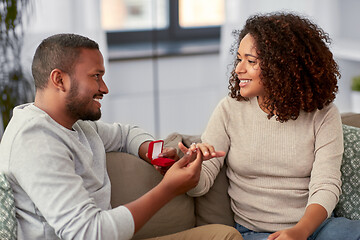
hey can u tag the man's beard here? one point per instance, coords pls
(77, 106)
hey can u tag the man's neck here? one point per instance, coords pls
(55, 109)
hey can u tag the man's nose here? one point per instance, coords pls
(103, 88)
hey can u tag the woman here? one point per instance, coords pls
(281, 133)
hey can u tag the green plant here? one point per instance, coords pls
(15, 87)
(355, 86)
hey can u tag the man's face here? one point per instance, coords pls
(87, 86)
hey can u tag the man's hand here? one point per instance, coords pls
(184, 174)
(181, 177)
(169, 153)
(166, 153)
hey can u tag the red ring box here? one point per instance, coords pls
(155, 148)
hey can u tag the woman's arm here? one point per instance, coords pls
(314, 215)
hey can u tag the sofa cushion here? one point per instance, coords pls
(349, 202)
(214, 206)
(131, 177)
(8, 224)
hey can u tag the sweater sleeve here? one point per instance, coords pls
(42, 166)
(121, 138)
(215, 134)
(325, 182)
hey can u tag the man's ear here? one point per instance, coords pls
(57, 79)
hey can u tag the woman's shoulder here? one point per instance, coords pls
(230, 107)
(225, 104)
(230, 102)
(328, 113)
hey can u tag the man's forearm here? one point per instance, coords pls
(146, 206)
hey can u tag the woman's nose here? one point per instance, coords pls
(240, 68)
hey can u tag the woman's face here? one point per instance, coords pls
(248, 69)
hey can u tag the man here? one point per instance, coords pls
(53, 153)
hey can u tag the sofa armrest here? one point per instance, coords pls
(131, 177)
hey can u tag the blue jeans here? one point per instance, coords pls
(334, 228)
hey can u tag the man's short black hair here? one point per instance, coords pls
(58, 51)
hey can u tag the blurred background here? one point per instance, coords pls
(167, 61)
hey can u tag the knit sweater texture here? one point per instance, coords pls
(59, 177)
(275, 169)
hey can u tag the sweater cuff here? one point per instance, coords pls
(123, 222)
(200, 189)
(136, 143)
(325, 199)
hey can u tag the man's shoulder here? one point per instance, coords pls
(29, 124)
(26, 127)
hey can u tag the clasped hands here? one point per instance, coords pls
(206, 151)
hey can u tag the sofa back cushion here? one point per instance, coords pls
(131, 177)
(351, 119)
(214, 206)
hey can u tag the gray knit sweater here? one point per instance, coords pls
(59, 178)
(275, 169)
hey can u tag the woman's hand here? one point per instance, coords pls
(314, 215)
(207, 150)
(293, 233)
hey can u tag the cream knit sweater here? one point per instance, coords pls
(275, 169)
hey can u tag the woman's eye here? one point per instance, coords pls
(238, 59)
(251, 62)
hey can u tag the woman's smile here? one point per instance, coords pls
(244, 82)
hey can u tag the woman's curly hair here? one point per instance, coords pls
(298, 71)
